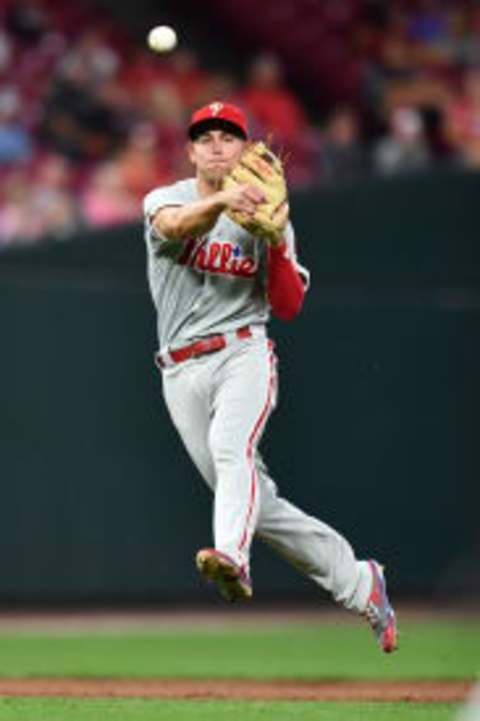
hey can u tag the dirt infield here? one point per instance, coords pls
(415, 690)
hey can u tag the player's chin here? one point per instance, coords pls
(216, 174)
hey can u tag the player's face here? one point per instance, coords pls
(214, 153)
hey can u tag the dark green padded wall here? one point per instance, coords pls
(376, 431)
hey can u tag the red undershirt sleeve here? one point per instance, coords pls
(285, 288)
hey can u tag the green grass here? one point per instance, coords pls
(327, 650)
(60, 709)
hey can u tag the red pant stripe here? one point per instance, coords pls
(253, 436)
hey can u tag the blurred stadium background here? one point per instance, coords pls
(378, 105)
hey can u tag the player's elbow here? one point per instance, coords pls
(168, 223)
(286, 300)
(288, 310)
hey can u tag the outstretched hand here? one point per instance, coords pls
(243, 198)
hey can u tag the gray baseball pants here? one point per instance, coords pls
(220, 404)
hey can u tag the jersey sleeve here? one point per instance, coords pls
(153, 202)
(292, 254)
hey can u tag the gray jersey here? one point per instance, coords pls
(211, 284)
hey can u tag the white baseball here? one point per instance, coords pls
(162, 39)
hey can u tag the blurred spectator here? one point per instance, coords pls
(277, 114)
(272, 104)
(218, 85)
(404, 148)
(167, 112)
(15, 141)
(140, 164)
(429, 29)
(422, 90)
(396, 59)
(404, 72)
(98, 60)
(450, 46)
(140, 72)
(342, 155)
(27, 21)
(189, 78)
(439, 35)
(164, 105)
(52, 201)
(106, 200)
(463, 120)
(76, 123)
(469, 40)
(113, 113)
(441, 148)
(17, 222)
(428, 22)
(6, 52)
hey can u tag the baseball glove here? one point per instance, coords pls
(260, 167)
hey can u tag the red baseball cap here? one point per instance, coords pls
(223, 116)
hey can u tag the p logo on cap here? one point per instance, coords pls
(216, 108)
(218, 115)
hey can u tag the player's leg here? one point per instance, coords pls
(313, 547)
(244, 395)
(187, 397)
(322, 554)
(187, 392)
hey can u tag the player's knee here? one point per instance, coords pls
(226, 454)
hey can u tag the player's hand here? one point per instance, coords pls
(243, 198)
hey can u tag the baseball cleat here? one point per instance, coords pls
(379, 614)
(232, 582)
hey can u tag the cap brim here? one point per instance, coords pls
(202, 126)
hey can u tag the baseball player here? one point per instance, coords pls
(214, 284)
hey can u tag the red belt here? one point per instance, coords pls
(210, 344)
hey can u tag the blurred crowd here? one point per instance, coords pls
(90, 120)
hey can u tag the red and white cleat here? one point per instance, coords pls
(232, 582)
(379, 613)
